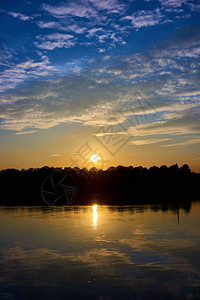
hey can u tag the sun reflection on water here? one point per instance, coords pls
(95, 215)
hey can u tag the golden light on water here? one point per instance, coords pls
(95, 215)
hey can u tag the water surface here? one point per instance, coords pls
(137, 252)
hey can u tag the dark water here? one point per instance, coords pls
(99, 253)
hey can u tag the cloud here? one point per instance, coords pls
(75, 28)
(92, 98)
(6, 55)
(186, 124)
(172, 3)
(20, 16)
(55, 40)
(87, 99)
(104, 133)
(112, 6)
(101, 50)
(188, 93)
(45, 104)
(110, 38)
(75, 9)
(195, 7)
(85, 9)
(20, 72)
(61, 26)
(147, 142)
(188, 142)
(145, 18)
(178, 5)
(186, 16)
(52, 24)
(142, 88)
(93, 31)
(104, 21)
(25, 132)
(184, 43)
(88, 17)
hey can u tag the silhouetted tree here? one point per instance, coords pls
(117, 185)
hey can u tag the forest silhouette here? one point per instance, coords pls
(119, 185)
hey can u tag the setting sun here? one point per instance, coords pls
(94, 158)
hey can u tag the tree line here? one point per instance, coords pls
(120, 185)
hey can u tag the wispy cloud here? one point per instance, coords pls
(93, 31)
(19, 16)
(112, 6)
(25, 132)
(185, 143)
(6, 55)
(178, 126)
(61, 26)
(195, 7)
(147, 142)
(18, 73)
(55, 40)
(88, 17)
(85, 9)
(52, 24)
(145, 18)
(172, 3)
(178, 5)
(76, 9)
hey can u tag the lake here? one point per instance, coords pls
(99, 252)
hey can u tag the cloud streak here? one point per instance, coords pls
(145, 18)
(55, 40)
(147, 142)
(18, 73)
(19, 16)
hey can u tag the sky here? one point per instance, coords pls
(115, 78)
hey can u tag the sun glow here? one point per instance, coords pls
(94, 158)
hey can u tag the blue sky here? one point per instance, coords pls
(77, 64)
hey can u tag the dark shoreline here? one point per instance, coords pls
(166, 186)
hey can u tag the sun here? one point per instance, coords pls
(94, 158)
